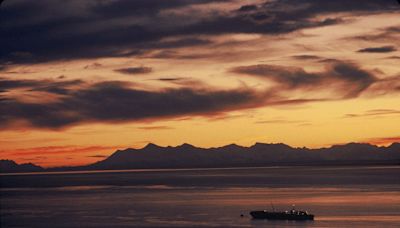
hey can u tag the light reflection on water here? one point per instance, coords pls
(202, 199)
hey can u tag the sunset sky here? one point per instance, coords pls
(80, 79)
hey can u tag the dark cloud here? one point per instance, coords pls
(57, 87)
(170, 54)
(260, 16)
(247, 8)
(352, 80)
(289, 76)
(177, 43)
(291, 102)
(386, 34)
(2, 68)
(44, 30)
(306, 57)
(253, 23)
(329, 61)
(356, 79)
(7, 84)
(60, 87)
(374, 113)
(310, 8)
(172, 79)
(395, 29)
(93, 66)
(115, 102)
(124, 8)
(134, 70)
(383, 49)
(84, 26)
(186, 82)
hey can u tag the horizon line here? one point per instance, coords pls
(150, 144)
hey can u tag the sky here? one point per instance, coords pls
(81, 79)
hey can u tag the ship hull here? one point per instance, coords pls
(279, 216)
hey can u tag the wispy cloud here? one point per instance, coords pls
(383, 49)
(51, 86)
(355, 79)
(280, 121)
(93, 66)
(374, 113)
(394, 57)
(97, 156)
(134, 70)
(382, 35)
(306, 57)
(52, 150)
(172, 79)
(155, 128)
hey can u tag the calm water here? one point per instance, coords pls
(338, 196)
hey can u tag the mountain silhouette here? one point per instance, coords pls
(8, 166)
(260, 154)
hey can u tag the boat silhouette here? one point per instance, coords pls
(292, 214)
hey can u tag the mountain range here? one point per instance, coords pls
(9, 166)
(260, 154)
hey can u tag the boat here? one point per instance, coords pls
(282, 215)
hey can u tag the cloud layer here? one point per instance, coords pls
(127, 28)
(134, 70)
(172, 32)
(348, 79)
(383, 49)
(116, 102)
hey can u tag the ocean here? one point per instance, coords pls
(358, 196)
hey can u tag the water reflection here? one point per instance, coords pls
(213, 198)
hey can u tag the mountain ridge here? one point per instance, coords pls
(10, 166)
(231, 155)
